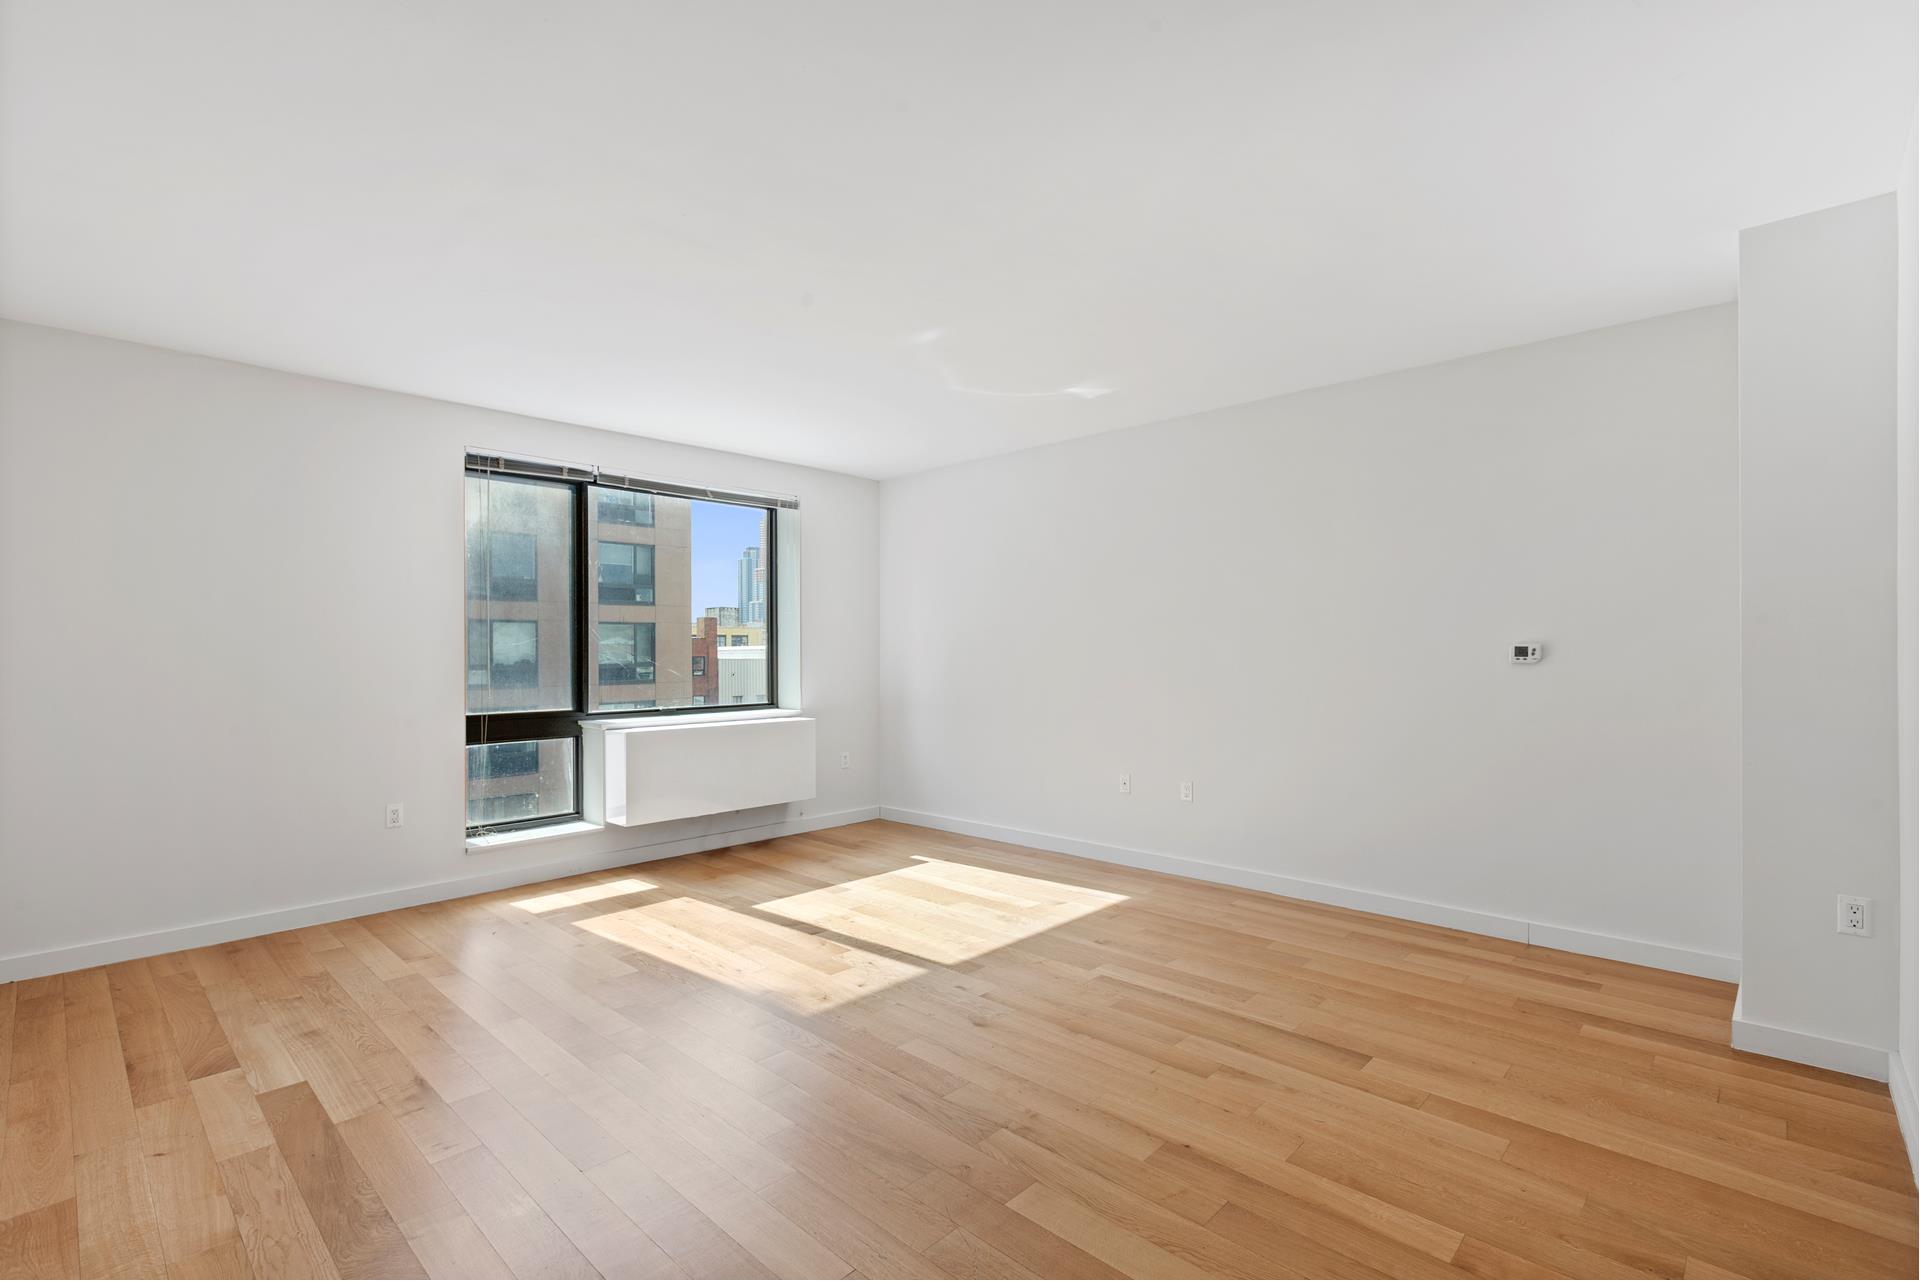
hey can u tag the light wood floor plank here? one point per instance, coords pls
(278, 1231)
(190, 1204)
(41, 1243)
(359, 1233)
(119, 1231)
(36, 1156)
(512, 1221)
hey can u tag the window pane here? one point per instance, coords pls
(504, 759)
(519, 595)
(680, 608)
(511, 782)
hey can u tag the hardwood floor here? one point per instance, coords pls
(885, 1051)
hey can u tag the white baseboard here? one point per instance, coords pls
(28, 965)
(1586, 942)
(1904, 1105)
(1810, 1048)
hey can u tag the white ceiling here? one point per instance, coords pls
(883, 235)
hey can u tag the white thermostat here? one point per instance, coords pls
(1526, 653)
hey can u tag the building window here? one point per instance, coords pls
(506, 760)
(551, 588)
(513, 572)
(504, 565)
(626, 654)
(625, 507)
(626, 573)
(502, 654)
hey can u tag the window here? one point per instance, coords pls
(625, 507)
(503, 654)
(626, 573)
(552, 634)
(626, 654)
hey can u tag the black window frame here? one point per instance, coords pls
(513, 727)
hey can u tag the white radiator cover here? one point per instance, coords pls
(683, 768)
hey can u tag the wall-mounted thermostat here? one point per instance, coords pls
(1526, 653)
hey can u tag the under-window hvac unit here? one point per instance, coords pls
(682, 768)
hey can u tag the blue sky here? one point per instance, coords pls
(721, 531)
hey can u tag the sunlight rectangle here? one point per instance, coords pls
(943, 912)
(585, 894)
(804, 971)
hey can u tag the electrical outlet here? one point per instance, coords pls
(1853, 915)
(1186, 789)
(396, 814)
(1126, 785)
(846, 759)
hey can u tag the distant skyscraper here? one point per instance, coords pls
(753, 582)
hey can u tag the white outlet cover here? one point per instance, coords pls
(1841, 922)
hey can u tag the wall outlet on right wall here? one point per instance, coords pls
(1853, 915)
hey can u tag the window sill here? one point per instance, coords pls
(531, 835)
(717, 714)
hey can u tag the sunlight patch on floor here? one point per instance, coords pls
(943, 912)
(585, 894)
(805, 971)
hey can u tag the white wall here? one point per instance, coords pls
(1906, 1085)
(1305, 606)
(230, 610)
(1818, 304)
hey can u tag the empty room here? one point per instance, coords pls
(958, 638)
